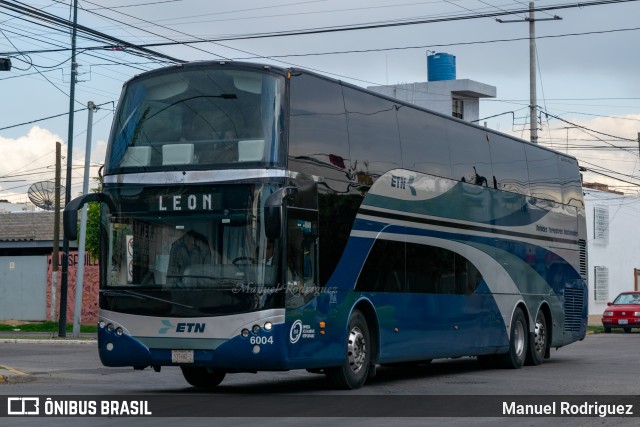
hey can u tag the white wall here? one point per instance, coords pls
(622, 254)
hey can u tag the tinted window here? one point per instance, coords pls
(410, 267)
(318, 127)
(509, 165)
(435, 270)
(544, 180)
(571, 182)
(373, 135)
(384, 269)
(424, 142)
(470, 157)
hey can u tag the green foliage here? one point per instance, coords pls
(92, 240)
(44, 327)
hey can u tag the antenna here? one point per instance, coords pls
(43, 194)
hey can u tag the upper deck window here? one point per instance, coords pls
(198, 119)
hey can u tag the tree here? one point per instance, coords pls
(92, 240)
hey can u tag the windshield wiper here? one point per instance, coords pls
(123, 292)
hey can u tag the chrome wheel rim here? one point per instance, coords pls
(518, 339)
(540, 338)
(356, 350)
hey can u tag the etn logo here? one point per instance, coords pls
(402, 183)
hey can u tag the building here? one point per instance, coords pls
(26, 246)
(613, 247)
(442, 92)
(8, 207)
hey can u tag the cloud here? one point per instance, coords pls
(604, 144)
(31, 158)
(24, 160)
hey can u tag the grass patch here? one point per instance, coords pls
(595, 329)
(44, 327)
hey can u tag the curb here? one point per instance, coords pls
(46, 341)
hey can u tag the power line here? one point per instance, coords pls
(47, 17)
(323, 30)
(50, 117)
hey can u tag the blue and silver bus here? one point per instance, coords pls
(256, 218)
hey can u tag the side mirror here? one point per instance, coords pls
(609, 303)
(70, 214)
(273, 212)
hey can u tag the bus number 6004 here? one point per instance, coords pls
(261, 340)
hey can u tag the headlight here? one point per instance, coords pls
(608, 314)
(637, 314)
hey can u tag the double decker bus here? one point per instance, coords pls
(256, 218)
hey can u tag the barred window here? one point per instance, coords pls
(601, 284)
(601, 224)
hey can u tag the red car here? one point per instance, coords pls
(623, 312)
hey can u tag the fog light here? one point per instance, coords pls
(268, 326)
(110, 346)
(101, 324)
(256, 349)
(119, 331)
(245, 332)
(256, 329)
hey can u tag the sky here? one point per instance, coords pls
(587, 67)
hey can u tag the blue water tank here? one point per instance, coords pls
(441, 66)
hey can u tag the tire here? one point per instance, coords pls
(538, 342)
(203, 377)
(607, 330)
(518, 342)
(627, 330)
(355, 369)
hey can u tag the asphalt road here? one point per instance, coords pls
(604, 365)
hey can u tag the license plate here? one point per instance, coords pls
(181, 356)
(623, 322)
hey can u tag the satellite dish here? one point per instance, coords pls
(43, 194)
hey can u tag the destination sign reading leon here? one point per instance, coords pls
(188, 202)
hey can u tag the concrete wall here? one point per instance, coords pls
(622, 254)
(89, 294)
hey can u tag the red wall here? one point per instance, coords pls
(90, 286)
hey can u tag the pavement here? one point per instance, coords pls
(9, 375)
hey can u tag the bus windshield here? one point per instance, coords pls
(199, 240)
(197, 119)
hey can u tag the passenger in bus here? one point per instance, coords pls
(190, 249)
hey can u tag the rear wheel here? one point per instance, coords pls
(203, 377)
(607, 330)
(353, 372)
(627, 330)
(518, 341)
(539, 341)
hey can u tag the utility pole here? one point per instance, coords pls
(62, 324)
(56, 235)
(77, 311)
(533, 101)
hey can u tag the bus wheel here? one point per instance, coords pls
(353, 372)
(539, 341)
(518, 341)
(203, 377)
